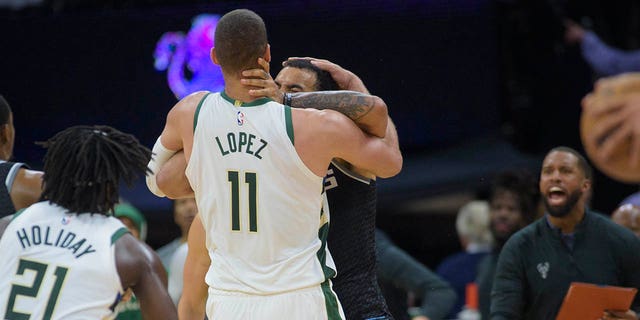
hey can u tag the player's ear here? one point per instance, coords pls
(214, 58)
(267, 53)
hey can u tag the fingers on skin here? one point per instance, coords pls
(264, 64)
(598, 105)
(256, 73)
(613, 141)
(607, 126)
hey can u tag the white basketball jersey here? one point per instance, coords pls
(59, 266)
(259, 203)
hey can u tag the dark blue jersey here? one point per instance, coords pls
(8, 171)
(352, 208)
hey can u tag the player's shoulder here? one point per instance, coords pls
(189, 103)
(133, 254)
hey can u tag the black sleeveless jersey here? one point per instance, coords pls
(8, 171)
(352, 211)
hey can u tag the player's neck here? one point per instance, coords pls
(235, 90)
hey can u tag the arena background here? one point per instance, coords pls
(474, 86)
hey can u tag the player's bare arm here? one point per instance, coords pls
(26, 188)
(342, 139)
(141, 270)
(361, 150)
(368, 112)
(177, 135)
(172, 180)
(178, 130)
(192, 304)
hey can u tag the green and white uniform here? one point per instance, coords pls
(260, 207)
(57, 265)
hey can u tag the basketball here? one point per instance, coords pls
(603, 105)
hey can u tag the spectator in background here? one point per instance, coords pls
(628, 216)
(184, 210)
(459, 269)
(137, 225)
(400, 274)
(22, 187)
(603, 59)
(571, 243)
(513, 204)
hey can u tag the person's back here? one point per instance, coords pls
(67, 258)
(267, 238)
(460, 269)
(247, 152)
(352, 208)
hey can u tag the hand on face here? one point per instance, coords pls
(345, 79)
(260, 82)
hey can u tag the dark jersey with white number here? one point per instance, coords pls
(352, 209)
(8, 171)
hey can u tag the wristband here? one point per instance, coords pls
(286, 100)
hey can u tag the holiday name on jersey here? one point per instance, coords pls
(38, 236)
(235, 142)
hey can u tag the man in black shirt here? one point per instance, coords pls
(569, 244)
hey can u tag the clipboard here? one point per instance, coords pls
(589, 301)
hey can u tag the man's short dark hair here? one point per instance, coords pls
(324, 81)
(582, 162)
(240, 39)
(5, 111)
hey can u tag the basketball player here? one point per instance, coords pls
(259, 189)
(66, 257)
(21, 186)
(351, 195)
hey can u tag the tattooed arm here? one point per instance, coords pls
(367, 111)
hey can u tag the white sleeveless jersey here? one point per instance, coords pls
(259, 203)
(59, 266)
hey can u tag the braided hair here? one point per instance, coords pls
(83, 167)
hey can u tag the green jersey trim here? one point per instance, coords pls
(238, 103)
(195, 116)
(330, 301)
(288, 122)
(118, 234)
(19, 212)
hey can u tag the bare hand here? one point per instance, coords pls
(615, 102)
(261, 83)
(345, 79)
(619, 315)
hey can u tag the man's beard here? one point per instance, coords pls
(562, 211)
